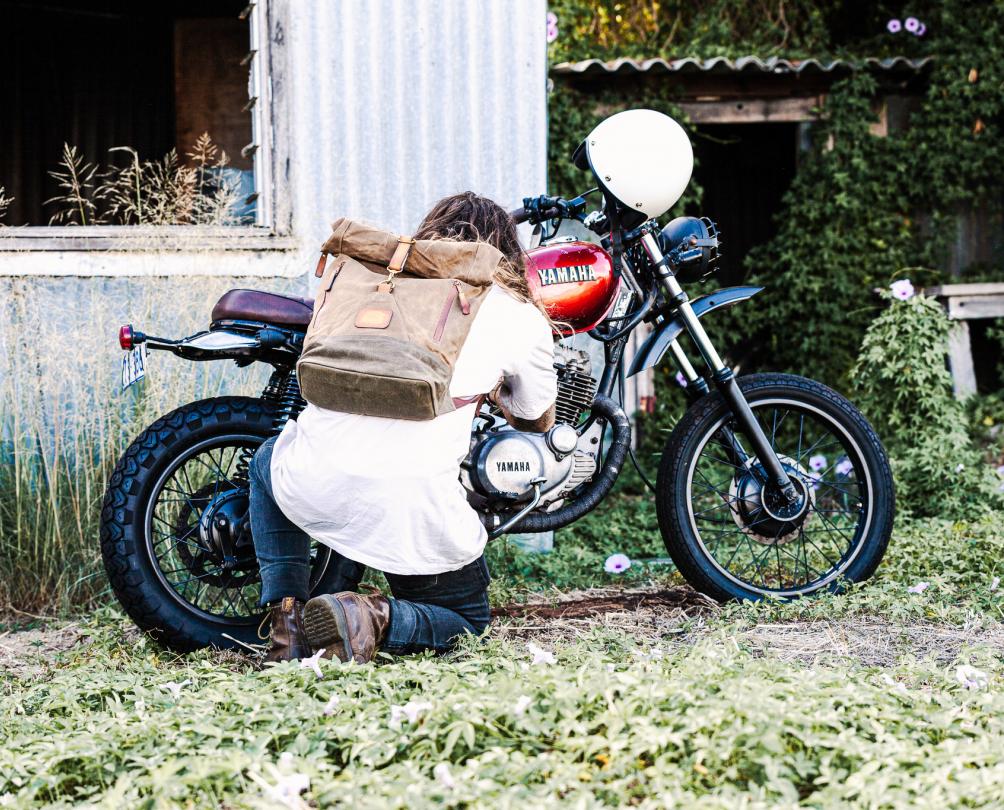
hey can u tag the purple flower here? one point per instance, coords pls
(617, 564)
(902, 289)
(681, 380)
(894, 26)
(844, 467)
(921, 30)
(817, 463)
(912, 24)
(920, 587)
(552, 26)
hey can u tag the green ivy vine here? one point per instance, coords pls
(863, 209)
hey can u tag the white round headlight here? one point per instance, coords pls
(643, 158)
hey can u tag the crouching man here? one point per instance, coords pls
(385, 493)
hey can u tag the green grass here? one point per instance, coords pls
(716, 721)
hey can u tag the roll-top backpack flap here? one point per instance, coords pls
(390, 319)
(474, 263)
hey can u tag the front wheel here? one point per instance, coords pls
(727, 534)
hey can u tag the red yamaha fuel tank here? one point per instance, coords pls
(574, 280)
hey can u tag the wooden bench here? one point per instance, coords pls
(967, 302)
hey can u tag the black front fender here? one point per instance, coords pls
(655, 345)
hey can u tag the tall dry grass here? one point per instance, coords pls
(64, 422)
(169, 191)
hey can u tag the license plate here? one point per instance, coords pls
(134, 366)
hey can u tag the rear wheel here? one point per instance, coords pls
(175, 537)
(732, 538)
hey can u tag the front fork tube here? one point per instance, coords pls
(722, 375)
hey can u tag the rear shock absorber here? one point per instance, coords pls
(282, 392)
(288, 400)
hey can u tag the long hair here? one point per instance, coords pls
(469, 217)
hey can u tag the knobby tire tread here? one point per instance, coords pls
(123, 543)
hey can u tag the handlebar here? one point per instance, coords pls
(540, 209)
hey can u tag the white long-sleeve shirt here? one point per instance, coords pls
(386, 492)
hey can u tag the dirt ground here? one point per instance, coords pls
(667, 617)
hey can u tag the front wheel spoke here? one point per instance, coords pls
(833, 565)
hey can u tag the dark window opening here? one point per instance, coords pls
(744, 169)
(986, 337)
(99, 74)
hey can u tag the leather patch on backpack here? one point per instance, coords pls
(373, 318)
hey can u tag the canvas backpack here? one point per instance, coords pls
(390, 317)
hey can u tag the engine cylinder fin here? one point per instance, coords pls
(576, 386)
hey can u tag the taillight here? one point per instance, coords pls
(126, 336)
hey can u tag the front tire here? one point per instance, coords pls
(175, 483)
(723, 533)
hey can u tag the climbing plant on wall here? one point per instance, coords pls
(862, 209)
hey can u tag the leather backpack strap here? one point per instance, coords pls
(319, 270)
(397, 262)
(401, 253)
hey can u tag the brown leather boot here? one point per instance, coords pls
(347, 625)
(286, 639)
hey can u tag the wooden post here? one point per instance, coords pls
(960, 360)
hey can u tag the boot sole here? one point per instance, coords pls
(325, 625)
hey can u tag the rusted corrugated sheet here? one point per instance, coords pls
(398, 104)
(721, 66)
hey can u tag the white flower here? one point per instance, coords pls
(971, 677)
(1000, 470)
(844, 467)
(920, 587)
(959, 467)
(655, 654)
(314, 663)
(329, 707)
(287, 789)
(995, 583)
(617, 564)
(410, 711)
(817, 463)
(902, 289)
(442, 773)
(522, 704)
(175, 688)
(540, 655)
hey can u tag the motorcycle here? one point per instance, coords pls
(769, 486)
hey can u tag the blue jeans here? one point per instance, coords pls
(428, 611)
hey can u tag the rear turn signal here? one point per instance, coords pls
(125, 337)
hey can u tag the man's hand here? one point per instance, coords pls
(542, 423)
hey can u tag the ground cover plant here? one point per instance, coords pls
(888, 696)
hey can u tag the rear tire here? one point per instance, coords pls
(128, 551)
(694, 538)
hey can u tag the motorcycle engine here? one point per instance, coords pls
(505, 464)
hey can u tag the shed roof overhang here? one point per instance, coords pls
(747, 89)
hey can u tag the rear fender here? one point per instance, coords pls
(657, 343)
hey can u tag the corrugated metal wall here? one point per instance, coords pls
(399, 103)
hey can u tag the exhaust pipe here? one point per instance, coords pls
(597, 489)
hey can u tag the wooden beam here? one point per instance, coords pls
(982, 288)
(752, 110)
(972, 307)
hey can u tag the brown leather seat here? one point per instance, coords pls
(255, 305)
